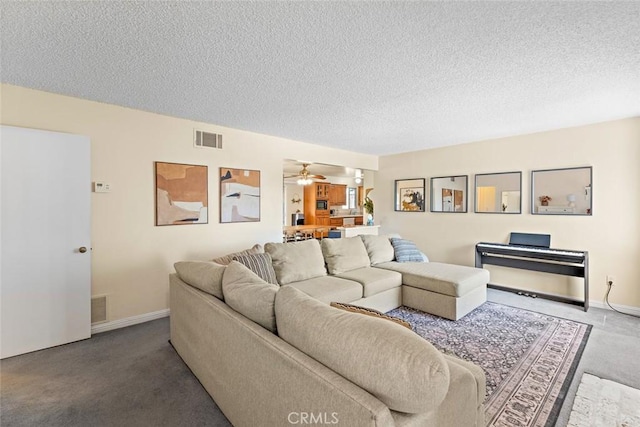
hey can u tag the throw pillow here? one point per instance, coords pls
(369, 312)
(406, 250)
(249, 295)
(255, 249)
(259, 264)
(204, 275)
(356, 347)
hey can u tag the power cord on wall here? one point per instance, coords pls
(606, 298)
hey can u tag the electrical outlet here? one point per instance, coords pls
(611, 279)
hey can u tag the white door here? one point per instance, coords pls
(45, 230)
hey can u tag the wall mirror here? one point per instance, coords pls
(564, 191)
(499, 193)
(449, 193)
(409, 195)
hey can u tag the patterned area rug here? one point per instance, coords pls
(529, 358)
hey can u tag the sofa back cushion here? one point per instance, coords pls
(296, 261)
(255, 249)
(204, 275)
(379, 248)
(249, 295)
(394, 364)
(344, 254)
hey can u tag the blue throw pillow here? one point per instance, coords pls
(406, 250)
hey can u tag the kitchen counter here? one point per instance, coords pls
(345, 216)
(357, 230)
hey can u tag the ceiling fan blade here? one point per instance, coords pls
(304, 173)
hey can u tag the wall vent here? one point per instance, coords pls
(98, 309)
(208, 140)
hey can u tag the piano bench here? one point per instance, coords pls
(446, 290)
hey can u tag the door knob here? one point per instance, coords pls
(82, 249)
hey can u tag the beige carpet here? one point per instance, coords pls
(601, 403)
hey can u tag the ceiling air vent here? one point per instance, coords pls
(208, 140)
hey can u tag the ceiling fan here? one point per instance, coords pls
(304, 177)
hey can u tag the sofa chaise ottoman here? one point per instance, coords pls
(446, 290)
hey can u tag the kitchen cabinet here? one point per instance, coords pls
(336, 222)
(322, 218)
(359, 220)
(312, 194)
(338, 195)
(322, 190)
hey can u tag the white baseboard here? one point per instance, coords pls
(129, 321)
(624, 308)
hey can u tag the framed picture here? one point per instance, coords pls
(181, 194)
(409, 195)
(239, 195)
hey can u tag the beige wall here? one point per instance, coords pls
(611, 235)
(131, 257)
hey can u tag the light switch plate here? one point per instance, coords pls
(101, 187)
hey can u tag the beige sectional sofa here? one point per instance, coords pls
(362, 270)
(274, 355)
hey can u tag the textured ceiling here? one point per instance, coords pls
(372, 77)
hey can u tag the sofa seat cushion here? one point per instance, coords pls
(296, 261)
(374, 280)
(249, 295)
(446, 279)
(394, 364)
(204, 275)
(330, 288)
(345, 254)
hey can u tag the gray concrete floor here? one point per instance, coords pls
(613, 348)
